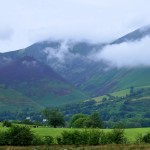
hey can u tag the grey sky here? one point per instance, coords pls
(23, 22)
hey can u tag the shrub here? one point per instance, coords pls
(19, 135)
(3, 139)
(146, 138)
(37, 140)
(48, 140)
(70, 137)
(117, 136)
(66, 138)
(104, 138)
(91, 137)
(84, 137)
(59, 140)
(79, 137)
(139, 139)
(94, 137)
(7, 124)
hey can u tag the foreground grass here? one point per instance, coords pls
(62, 147)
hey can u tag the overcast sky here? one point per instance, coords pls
(23, 22)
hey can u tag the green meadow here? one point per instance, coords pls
(130, 133)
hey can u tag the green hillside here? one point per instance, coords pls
(28, 82)
(116, 79)
(130, 107)
(12, 100)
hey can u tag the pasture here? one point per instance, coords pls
(41, 131)
(130, 133)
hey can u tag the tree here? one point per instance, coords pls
(82, 120)
(76, 120)
(95, 120)
(79, 123)
(54, 117)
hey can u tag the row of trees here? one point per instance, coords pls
(56, 118)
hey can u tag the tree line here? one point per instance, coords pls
(56, 118)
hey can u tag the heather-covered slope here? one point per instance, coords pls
(29, 80)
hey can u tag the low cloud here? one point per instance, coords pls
(127, 54)
(61, 54)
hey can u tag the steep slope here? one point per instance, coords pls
(134, 36)
(37, 82)
(114, 79)
(63, 57)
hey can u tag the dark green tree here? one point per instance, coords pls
(95, 120)
(79, 123)
(54, 117)
(75, 120)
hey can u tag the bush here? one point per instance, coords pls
(23, 136)
(105, 138)
(79, 137)
(117, 136)
(84, 137)
(3, 139)
(37, 140)
(94, 137)
(19, 135)
(48, 140)
(7, 124)
(139, 139)
(146, 138)
(71, 137)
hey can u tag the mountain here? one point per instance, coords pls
(71, 61)
(134, 36)
(27, 81)
(63, 57)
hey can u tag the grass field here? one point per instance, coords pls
(120, 93)
(131, 133)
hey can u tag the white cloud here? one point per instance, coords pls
(127, 54)
(61, 53)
